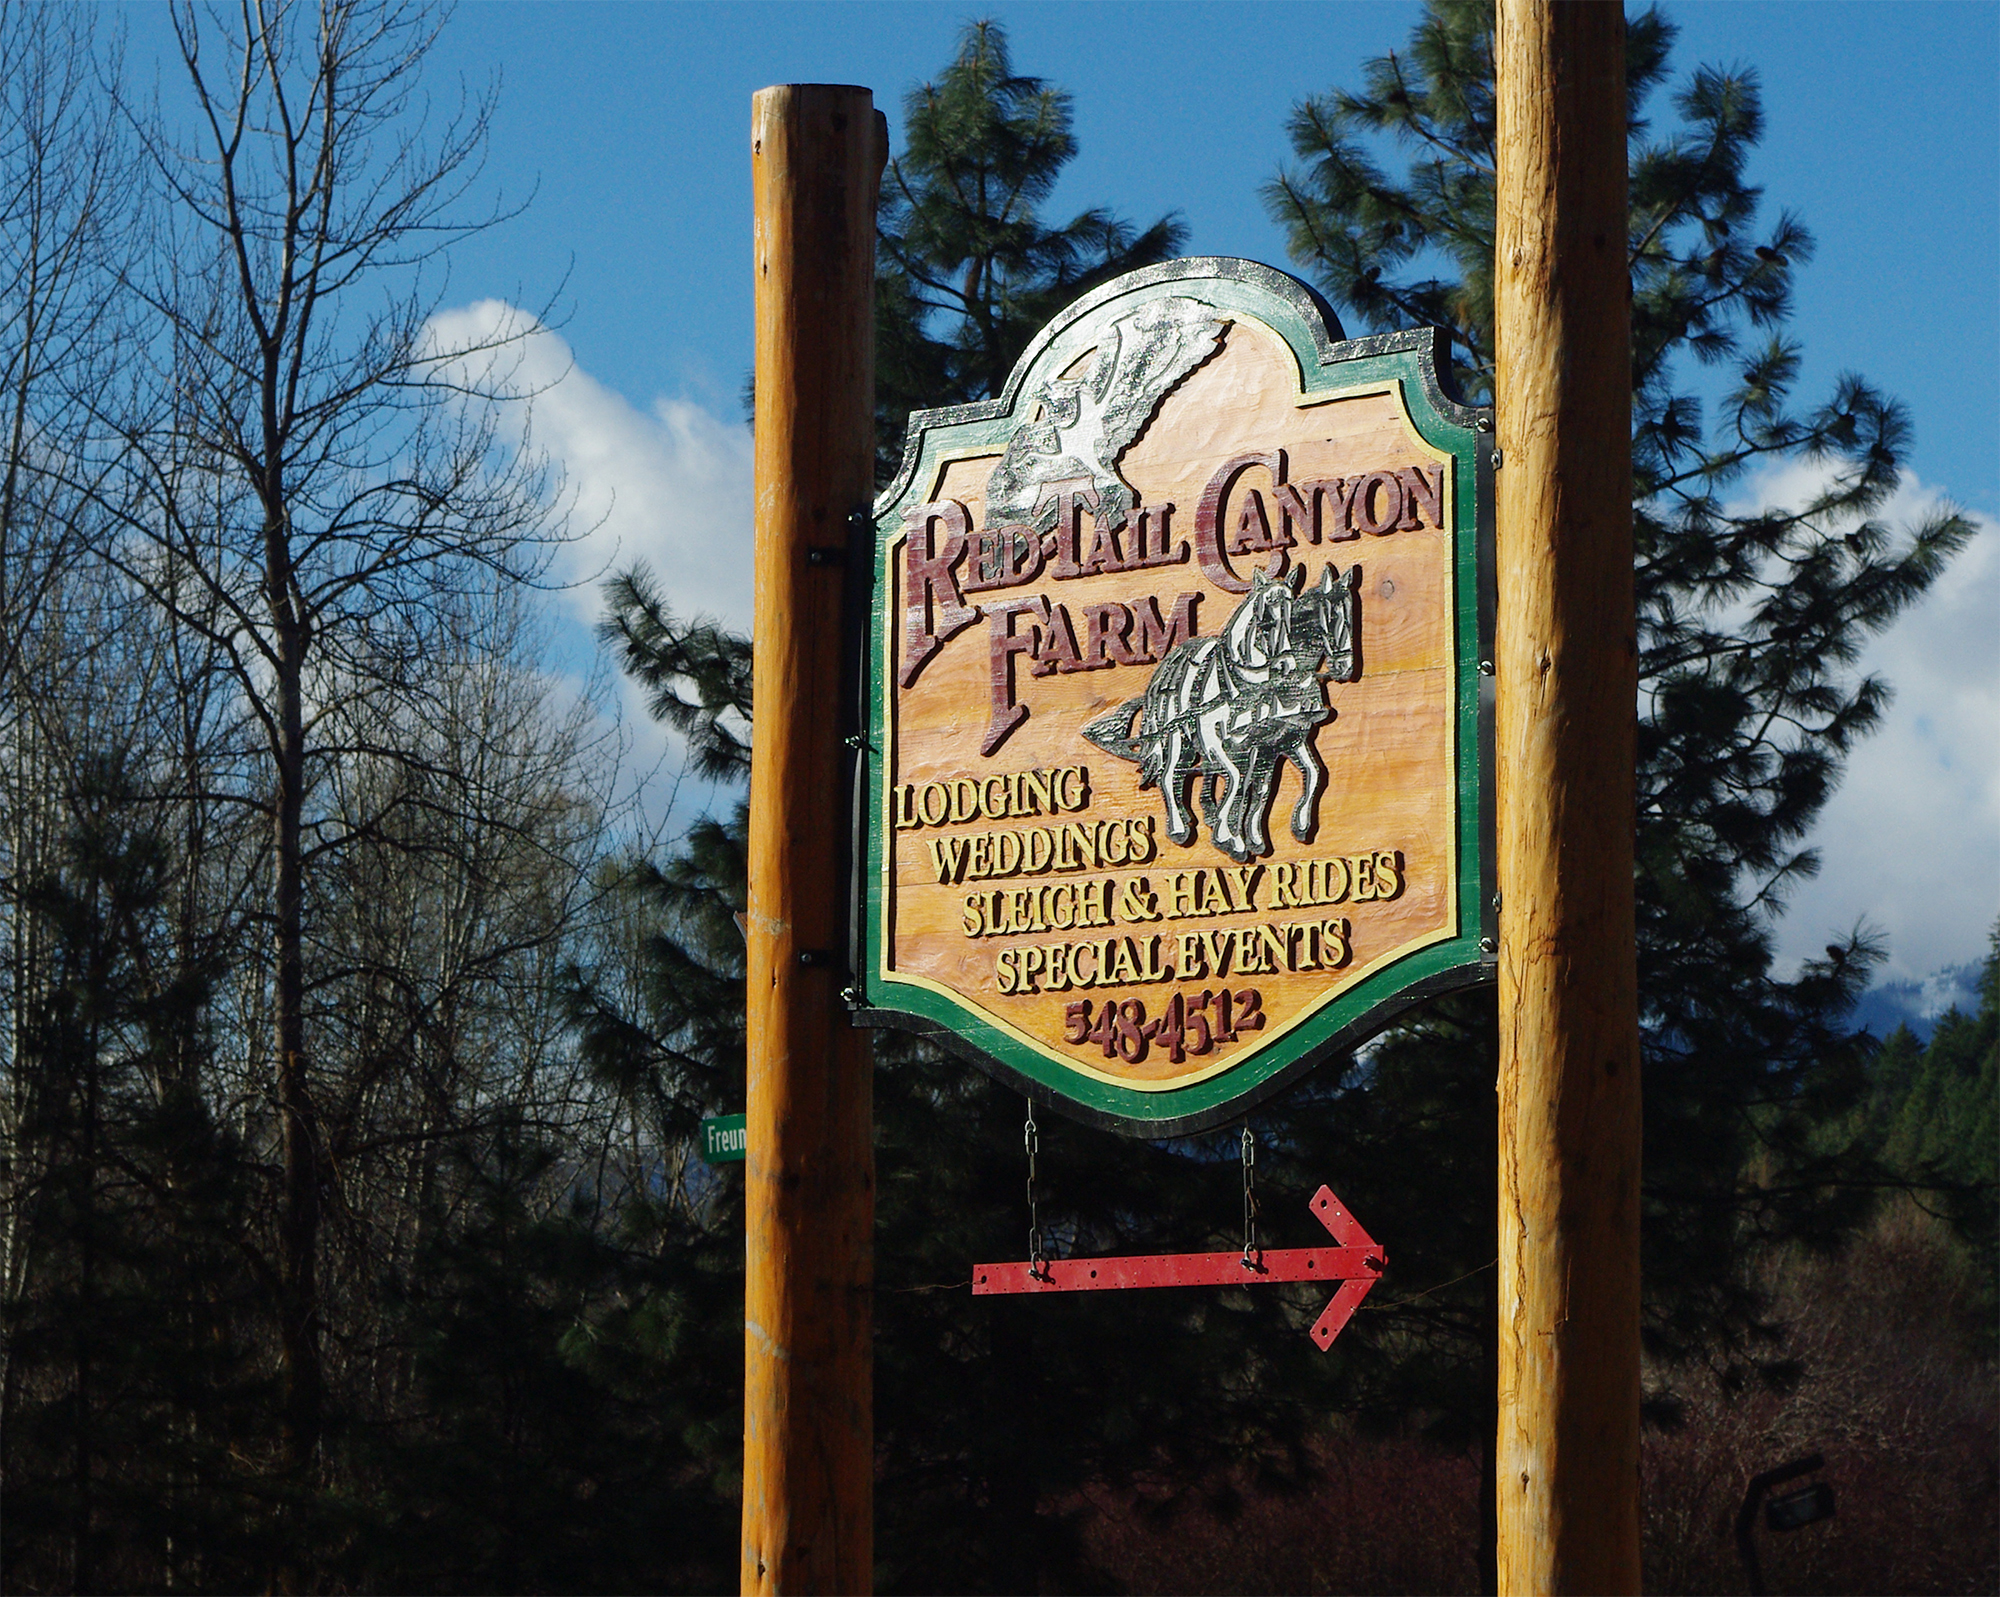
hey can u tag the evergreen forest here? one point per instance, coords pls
(355, 1032)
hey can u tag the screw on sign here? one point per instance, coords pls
(1357, 1264)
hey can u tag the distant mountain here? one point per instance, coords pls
(1919, 1004)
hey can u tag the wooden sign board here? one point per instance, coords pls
(1175, 774)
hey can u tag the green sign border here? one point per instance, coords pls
(1327, 363)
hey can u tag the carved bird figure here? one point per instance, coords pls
(1079, 426)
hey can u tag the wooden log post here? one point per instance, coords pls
(1567, 1452)
(817, 153)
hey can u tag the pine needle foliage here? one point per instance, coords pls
(673, 1045)
(696, 673)
(1932, 1113)
(995, 1419)
(1752, 617)
(135, 1412)
(967, 271)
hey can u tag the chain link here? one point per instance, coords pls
(1031, 1143)
(1252, 1253)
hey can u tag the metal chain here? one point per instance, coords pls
(1031, 1142)
(1250, 1247)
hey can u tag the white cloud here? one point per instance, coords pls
(669, 487)
(1910, 841)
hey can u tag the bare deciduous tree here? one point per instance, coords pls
(64, 217)
(313, 477)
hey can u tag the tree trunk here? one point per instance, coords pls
(1566, 659)
(809, 1183)
(83, 1575)
(299, 1203)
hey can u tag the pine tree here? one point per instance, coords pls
(134, 1415)
(570, 1360)
(967, 271)
(1750, 622)
(993, 1414)
(1933, 1115)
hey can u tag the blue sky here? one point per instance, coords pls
(1884, 133)
(628, 126)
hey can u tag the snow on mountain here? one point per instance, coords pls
(1919, 1004)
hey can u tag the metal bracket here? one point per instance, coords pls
(1795, 1509)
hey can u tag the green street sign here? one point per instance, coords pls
(1176, 777)
(724, 1139)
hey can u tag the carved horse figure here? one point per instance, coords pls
(1228, 710)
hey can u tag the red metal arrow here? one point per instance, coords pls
(1336, 1217)
(1174, 1269)
(1357, 1264)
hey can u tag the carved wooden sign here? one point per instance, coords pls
(1174, 774)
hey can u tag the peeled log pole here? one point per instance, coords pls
(809, 1185)
(1566, 678)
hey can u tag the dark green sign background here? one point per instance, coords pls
(723, 1139)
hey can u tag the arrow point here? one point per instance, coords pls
(1335, 1216)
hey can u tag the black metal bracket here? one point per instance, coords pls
(857, 611)
(1814, 1503)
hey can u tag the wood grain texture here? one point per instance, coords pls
(808, 1437)
(1388, 751)
(1568, 1444)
